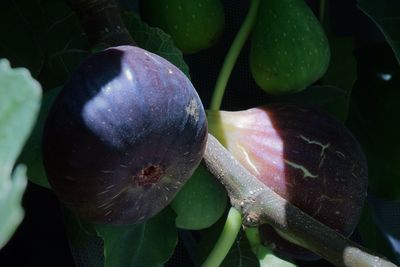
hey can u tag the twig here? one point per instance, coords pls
(101, 22)
(258, 205)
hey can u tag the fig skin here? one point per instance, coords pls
(123, 136)
(305, 156)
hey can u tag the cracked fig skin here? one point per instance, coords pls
(126, 132)
(305, 156)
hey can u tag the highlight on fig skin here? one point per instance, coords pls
(302, 154)
(119, 142)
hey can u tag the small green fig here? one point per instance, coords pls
(200, 202)
(289, 49)
(194, 25)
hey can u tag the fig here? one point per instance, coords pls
(289, 50)
(125, 133)
(201, 201)
(305, 156)
(193, 25)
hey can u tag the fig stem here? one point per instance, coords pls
(322, 5)
(258, 204)
(265, 255)
(225, 241)
(233, 54)
(102, 22)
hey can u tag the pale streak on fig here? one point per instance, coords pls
(340, 154)
(323, 147)
(247, 158)
(110, 186)
(323, 196)
(318, 210)
(108, 213)
(306, 173)
(102, 192)
(309, 141)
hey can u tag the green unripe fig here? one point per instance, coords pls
(201, 201)
(194, 25)
(289, 49)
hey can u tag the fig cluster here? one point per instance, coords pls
(123, 136)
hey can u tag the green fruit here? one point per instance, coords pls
(289, 49)
(201, 201)
(194, 25)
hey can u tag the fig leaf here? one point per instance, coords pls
(154, 40)
(147, 244)
(19, 103)
(32, 152)
(386, 15)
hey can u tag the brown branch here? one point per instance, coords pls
(258, 205)
(102, 22)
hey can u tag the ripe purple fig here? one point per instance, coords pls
(123, 136)
(305, 156)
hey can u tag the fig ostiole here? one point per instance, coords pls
(126, 132)
(304, 155)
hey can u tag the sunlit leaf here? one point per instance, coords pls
(19, 103)
(32, 152)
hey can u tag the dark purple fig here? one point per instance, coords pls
(125, 133)
(305, 156)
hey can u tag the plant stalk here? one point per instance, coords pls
(227, 237)
(102, 22)
(233, 54)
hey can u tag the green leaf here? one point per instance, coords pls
(342, 70)
(386, 15)
(372, 237)
(147, 244)
(32, 152)
(201, 201)
(66, 44)
(19, 104)
(22, 28)
(85, 245)
(374, 116)
(154, 40)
